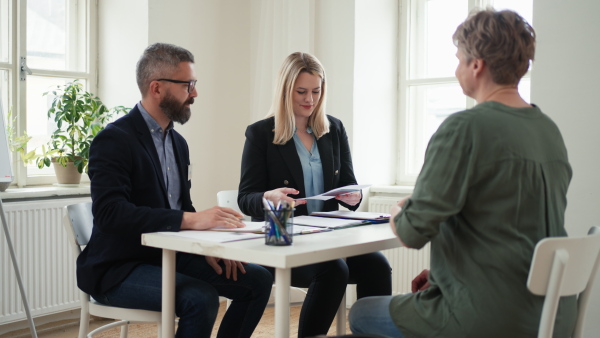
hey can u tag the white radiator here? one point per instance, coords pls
(46, 262)
(406, 263)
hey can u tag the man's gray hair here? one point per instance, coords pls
(159, 60)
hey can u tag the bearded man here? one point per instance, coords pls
(140, 182)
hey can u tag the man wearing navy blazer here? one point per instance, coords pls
(140, 182)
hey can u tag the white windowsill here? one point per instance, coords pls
(44, 192)
(383, 190)
(40, 192)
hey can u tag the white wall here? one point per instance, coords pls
(565, 85)
(278, 28)
(217, 33)
(334, 47)
(375, 91)
(116, 64)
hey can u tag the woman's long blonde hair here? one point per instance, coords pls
(282, 106)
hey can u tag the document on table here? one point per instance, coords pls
(255, 227)
(338, 191)
(215, 236)
(253, 230)
(326, 222)
(361, 215)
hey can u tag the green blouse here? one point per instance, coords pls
(493, 184)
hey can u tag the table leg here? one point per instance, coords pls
(283, 280)
(340, 328)
(168, 293)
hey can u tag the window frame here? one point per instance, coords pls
(410, 127)
(17, 89)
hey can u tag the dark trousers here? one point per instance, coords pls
(197, 291)
(326, 283)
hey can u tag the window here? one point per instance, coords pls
(53, 41)
(429, 92)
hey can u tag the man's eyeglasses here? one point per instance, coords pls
(191, 84)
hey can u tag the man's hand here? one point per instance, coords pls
(213, 217)
(351, 198)
(421, 282)
(231, 267)
(281, 194)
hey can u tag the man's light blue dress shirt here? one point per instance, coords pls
(166, 155)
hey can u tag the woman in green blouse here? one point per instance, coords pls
(493, 184)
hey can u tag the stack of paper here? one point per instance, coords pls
(326, 222)
(362, 215)
(215, 236)
(253, 227)
(259, 228)
(336, 192)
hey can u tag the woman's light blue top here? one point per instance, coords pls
(312, 168)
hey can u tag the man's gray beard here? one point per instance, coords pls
(175, 111)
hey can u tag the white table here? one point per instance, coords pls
(306, 249)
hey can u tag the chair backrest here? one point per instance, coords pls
(228, 198)
(78, 223)
(584, 297)
(562, 266)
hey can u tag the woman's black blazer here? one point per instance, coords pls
(267, 166)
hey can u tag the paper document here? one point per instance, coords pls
(215, 236)
(259, 228)
(255, 227)
(305, 229)
(326, 222)
(363, 215)
(339, 191)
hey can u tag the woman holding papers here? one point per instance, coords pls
(299, 150)
(493, 184)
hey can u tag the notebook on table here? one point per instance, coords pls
(373, 217)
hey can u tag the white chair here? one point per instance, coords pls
(563, 266)
(78, 222)
(228, 198)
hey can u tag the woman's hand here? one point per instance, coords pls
(281, 194)
(352, 198)
(403, 201)
(421, 282)
(394, 211)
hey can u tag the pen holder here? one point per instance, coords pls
(279, 227)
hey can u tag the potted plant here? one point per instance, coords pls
(15, 144)
(79, 117)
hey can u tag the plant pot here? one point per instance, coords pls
(4, 186)
(66, 175)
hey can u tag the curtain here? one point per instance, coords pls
(282, 27)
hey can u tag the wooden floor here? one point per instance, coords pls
(69, 329)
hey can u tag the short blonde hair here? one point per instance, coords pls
(282, 106)
(504, 40)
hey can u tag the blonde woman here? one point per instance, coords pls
(298, 150)
(493, 184)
